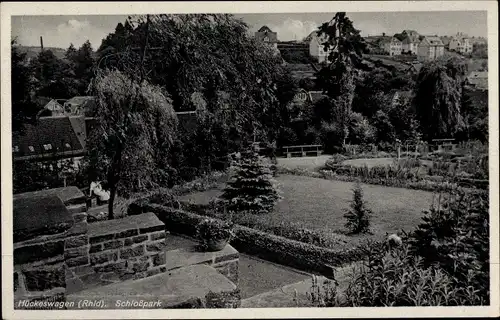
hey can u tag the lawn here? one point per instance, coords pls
(320, 204)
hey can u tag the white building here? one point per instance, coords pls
(316, 48)
(461, 43)
(430, 48)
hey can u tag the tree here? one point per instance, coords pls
(358, 217)
(70, 53)
(83, 62)
(131, 145)
(251, 189)
(438, 97)
(338, 78)
(24, 108)
(55, 77)
(210, 55)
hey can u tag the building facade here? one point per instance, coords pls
(430, 48)
(267, 36)
(461, 43)
(316, 48)
(410, 44)
(394, 47)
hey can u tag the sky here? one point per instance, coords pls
(60, 31)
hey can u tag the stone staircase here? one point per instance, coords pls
(131, 260)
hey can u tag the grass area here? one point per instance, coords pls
(319, 204)
(310, 163)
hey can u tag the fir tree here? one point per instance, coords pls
(252, 188)
(358, 217)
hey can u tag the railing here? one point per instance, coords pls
(302, 150)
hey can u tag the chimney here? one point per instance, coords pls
(41, 42)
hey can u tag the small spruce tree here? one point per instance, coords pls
(358, 217)
(252, 188)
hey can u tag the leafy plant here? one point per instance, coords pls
(214, 230)
(358, 218)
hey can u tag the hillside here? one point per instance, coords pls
(32, 52)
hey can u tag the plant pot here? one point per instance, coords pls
(215, 245)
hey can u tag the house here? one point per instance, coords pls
(55, 106)
(316, 47)
(266, 35)
(56, 137)
(461, 43)
(478, 79)
(410, 43)
(80, 105)
(446, 41)
(430, 48)
(393, 47)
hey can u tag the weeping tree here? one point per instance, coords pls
(130, 148)
(438, 97)
(338, 77)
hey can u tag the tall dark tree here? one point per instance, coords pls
(83, 60)
(22, 84)
(438, 97)
(338, 77)
(70, 53)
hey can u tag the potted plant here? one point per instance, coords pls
(214, 234)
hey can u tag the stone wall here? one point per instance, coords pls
(39, 262)
(116, 250)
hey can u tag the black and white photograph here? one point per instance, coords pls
(310, 156)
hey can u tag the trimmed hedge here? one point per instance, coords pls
(266, 246)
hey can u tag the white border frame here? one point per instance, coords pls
(107, 8)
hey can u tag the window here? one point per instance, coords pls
(31, 148)
(47, 147)
(266, 39)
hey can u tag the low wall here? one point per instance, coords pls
(269, 247)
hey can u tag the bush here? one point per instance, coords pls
(397, 278)
(252, 188)
(214, 230)
(358, 218)
(454, 235)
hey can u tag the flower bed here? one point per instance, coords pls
(432, 184)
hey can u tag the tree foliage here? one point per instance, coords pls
(251, 189)
(22, 83)
(438, 97)
(130, 147)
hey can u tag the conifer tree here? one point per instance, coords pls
(358, 217)
(252, 188)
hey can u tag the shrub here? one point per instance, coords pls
(454, 235)
(358, 218)
(214, 230)
(252, 188)
(396, 278)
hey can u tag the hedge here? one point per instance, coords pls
(299, 255)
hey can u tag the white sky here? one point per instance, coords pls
(60, 31)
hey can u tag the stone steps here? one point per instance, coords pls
(186, 287)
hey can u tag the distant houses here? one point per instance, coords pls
(430, 48)
(461, 43)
